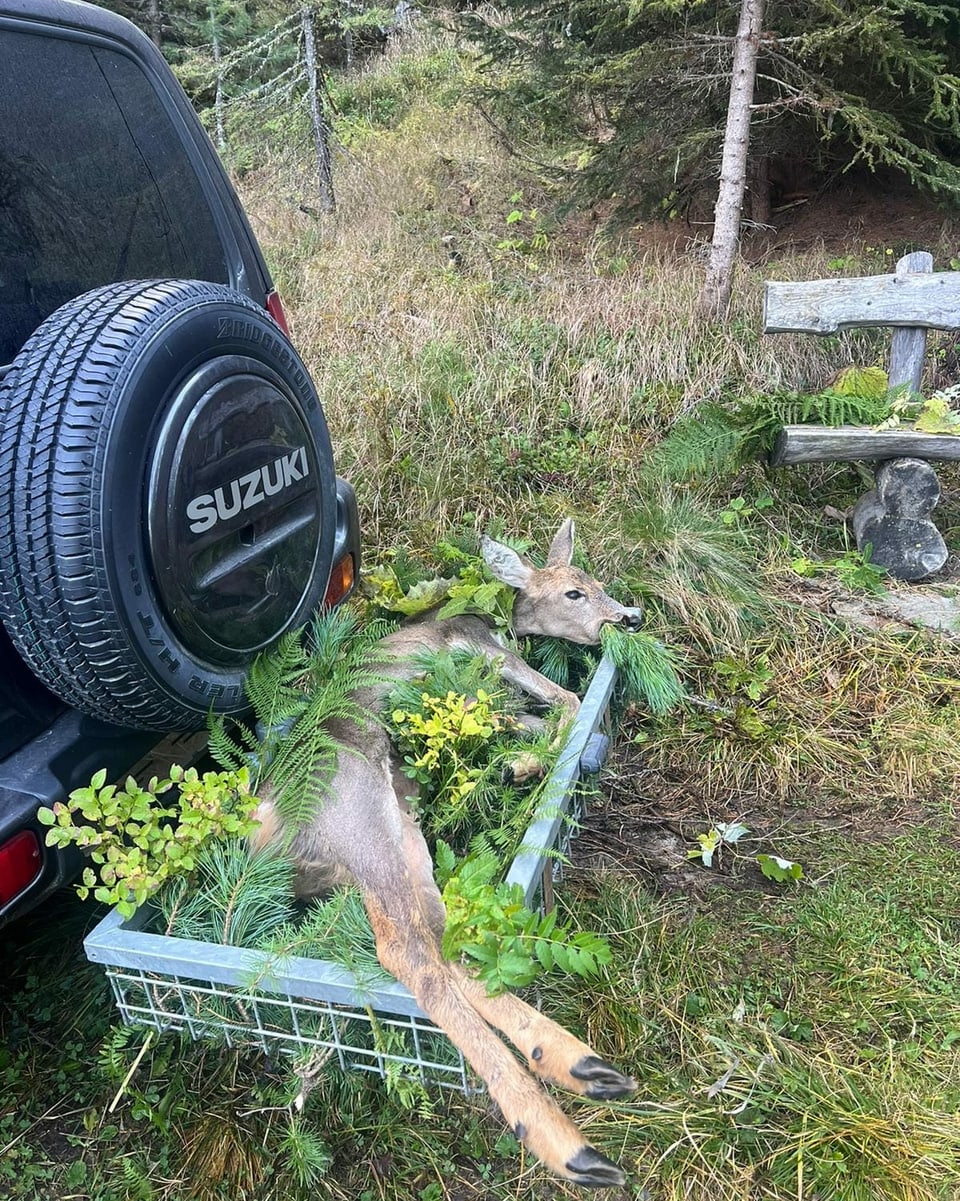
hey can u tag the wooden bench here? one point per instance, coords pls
(894, 519)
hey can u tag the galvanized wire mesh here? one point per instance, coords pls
(366, 1040)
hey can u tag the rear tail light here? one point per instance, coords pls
(275, 309)
(341, 581)
(21, 861)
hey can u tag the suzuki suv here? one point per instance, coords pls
(168, 500)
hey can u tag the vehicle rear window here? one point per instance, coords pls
(95, 185)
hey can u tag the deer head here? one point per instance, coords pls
(558, 600)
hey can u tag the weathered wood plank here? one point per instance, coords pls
(822, 306)
(908, 345)
(852, 443)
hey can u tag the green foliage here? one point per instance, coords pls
(937, 414)
(710, 441)
(781, 870)
(738, 509)
(507, 944)
(751, 677)
(471, 590)
(713, 840)
(853, 569)
(548, 460)
(564, 662)
(715, 439)
(528, 236)
(856, 571)
(868, 383)
(383, 589)
(648, 668)
(729, 834)
(444, 737)
(475, 592)
(631, 97)
(297, 688)
(937, 417)
(138, 842)
(306, 1154)
(335, 928)
(456, 727)
(231, 898)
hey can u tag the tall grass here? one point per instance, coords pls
(432, 374)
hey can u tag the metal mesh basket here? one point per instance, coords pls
(315, 1010)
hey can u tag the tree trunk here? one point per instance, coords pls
(715, 297)
(321, 130)
(218, 102)
(154, 22)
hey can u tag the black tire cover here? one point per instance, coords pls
(167, 499)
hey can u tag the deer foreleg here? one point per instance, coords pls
(521, 675)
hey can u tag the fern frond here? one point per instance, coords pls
(842, 408)
(763, 415)
(307, 680)
(272, 685)
(231, 748)
(305, 760)
(708, 442)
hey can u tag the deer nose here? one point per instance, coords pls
(632, 620)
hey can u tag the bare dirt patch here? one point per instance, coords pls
(858, 211)
(646, 822)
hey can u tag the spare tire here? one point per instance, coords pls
(167, 499)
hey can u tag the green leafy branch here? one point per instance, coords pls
(138, 842)
(507, 944)
(711, 843)
(854, 570)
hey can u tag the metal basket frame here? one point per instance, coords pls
(313, 1009)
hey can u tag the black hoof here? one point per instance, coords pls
(605, 1082)
(593, 1170)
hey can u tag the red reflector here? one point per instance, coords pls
(341, 581)
(275, 309)
(20, 864)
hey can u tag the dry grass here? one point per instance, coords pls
(539, 330)
(844, 712)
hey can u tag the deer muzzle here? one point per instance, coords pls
(631, 620)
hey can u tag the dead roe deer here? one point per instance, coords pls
(365, 833)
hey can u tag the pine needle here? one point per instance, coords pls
(234, 898)
(647, 667)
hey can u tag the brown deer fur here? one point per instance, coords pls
(364, 832)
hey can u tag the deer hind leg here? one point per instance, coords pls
(407, 947)
(551, 1051)
(367, 830)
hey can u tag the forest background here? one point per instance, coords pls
(490, 233)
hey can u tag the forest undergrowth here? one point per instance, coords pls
(488, 363)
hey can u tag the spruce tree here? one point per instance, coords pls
(635, 91)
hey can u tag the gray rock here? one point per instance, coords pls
(895, 520)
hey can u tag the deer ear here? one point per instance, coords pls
(505, 563)
(560, 553)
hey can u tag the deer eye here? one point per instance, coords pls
(574, 594)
